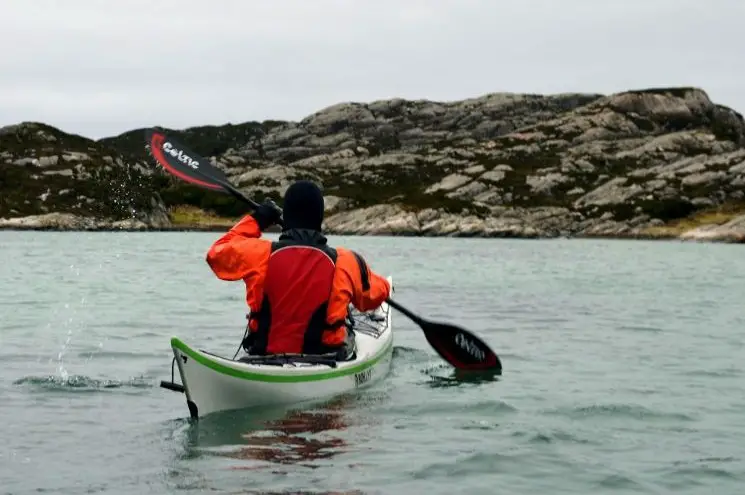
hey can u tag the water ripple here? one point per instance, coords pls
(618, 411)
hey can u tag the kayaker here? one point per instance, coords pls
(297, 288)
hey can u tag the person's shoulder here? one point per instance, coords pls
(258, 245)
(347, 254)
(349, 259)
(343, 256)
(257, 242)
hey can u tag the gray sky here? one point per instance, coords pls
(102, 67)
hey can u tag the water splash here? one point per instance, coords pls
(73, 319)
(81, 383)
(61, 354)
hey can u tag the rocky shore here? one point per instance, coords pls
(657, 163)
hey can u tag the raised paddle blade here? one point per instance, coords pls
(461, 348)
(457, 346)
(182, 162)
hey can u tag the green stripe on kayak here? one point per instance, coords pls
(263, 377)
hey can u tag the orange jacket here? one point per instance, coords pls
(241, 254)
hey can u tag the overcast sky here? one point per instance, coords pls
(102, 67)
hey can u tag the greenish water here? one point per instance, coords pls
(624, 373)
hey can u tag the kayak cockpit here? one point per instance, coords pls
(285, 359)
(263, 360)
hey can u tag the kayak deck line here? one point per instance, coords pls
(297, 374)
(283, 359)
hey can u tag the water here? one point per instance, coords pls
(623, 373)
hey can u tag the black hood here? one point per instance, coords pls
(303, 206)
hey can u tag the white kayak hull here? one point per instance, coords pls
(213, 383)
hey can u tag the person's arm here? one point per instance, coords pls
(355, 283)
(240, 253)
(370, 289)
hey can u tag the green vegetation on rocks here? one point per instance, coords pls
(504, 164)
(44, 170)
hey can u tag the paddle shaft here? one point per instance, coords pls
(235, 192)
(232, 190)
(416, 319)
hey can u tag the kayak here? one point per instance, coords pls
(214, 383)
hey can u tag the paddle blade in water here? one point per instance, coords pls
(461, 348)
(182, 162)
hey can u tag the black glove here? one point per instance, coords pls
(248, 341)
(267, 214)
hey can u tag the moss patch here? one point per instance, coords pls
(711, 216)
(190, 216)
(176, 194)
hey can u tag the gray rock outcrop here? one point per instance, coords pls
(620, 165)
(53, 180)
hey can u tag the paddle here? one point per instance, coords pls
(188, 166)
(459, 347)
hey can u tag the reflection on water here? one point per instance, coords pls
(290, 435)
(442, 375)
(273, 450)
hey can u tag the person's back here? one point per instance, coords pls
(297, 288)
